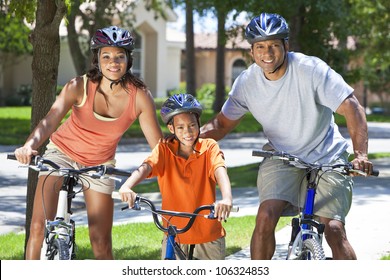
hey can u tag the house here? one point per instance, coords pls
(156, 58)
(237, 58)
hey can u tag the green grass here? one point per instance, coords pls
(142, 241)
(137, 241)
(241, 176)
(15, 124)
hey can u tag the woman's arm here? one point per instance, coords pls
(71, 94)
(146, 110)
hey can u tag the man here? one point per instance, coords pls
(293, 97)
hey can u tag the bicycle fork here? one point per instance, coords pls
(62, 226)
(302, 228)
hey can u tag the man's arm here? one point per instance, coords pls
(358, 131)
(218, 127)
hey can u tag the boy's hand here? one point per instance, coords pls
(127, 195)
(222, 209)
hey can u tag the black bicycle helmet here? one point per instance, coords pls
(266, 27)
(112, 36)
(179, 103)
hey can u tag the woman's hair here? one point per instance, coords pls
(95, 75)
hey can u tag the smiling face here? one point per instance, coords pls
(270, 56)
(186, 128)
(113, 62)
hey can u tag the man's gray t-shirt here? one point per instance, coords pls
(296, 111)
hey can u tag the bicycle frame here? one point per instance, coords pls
(307, 233)
(306, 226)
(173, 247)
(59, 236)
(62, 227)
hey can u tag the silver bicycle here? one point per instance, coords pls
(60, 234)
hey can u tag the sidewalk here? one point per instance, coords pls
(368, 218)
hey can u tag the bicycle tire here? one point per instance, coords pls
(59, 250)
(312, 250)
(73, 247)
(180, 255)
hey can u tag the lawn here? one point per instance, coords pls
(15, 124)
(141, 240)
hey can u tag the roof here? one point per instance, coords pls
(209, 41)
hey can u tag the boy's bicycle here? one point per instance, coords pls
(307, 233)
(60, 234)
(173, 250)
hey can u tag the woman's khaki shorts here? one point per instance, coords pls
(214, 250)
(106, 186)
(277, 180)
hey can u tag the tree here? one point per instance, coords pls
(189, 7)
(46, 45)
(13, 39)
(370, 24)
(190, 49)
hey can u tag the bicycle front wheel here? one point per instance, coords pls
(312, 250)
(59, 250)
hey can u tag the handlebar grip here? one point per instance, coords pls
(375, 173)
(260, 153)
(11, 156)
(119, 172)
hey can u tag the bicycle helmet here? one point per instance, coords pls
(112, 36)
(179, 103)
(266, 27)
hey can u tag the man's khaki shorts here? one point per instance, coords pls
(52, 153)
(277, 180)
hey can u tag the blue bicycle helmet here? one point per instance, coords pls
(179, 103)
(112, 36)
(266, 27)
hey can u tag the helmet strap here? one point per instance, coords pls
(284, 58)
(196, 140)
(113, 82)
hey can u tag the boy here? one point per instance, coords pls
(188, 169)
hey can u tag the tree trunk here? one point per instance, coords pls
(220, 69)
(190, 49)
(79, 59)
(46, 55)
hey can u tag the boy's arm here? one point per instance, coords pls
(136, 177)
(223, 207)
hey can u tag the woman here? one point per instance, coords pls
(104, 103)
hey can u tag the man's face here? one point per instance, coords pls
(269, 55)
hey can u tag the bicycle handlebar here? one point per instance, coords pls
(38, 163)
(191, 216)
(296, 161)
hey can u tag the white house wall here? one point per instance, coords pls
(160, 59)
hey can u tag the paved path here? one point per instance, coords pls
(368, 218)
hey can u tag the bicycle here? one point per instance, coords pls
(60, 233)
(307, 233)
(173, 250)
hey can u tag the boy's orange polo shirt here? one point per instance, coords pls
(188, 184)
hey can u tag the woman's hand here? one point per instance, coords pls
(24, 154)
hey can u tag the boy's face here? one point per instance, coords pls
(185, 127)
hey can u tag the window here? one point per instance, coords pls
(238, 66)
(137, 57)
